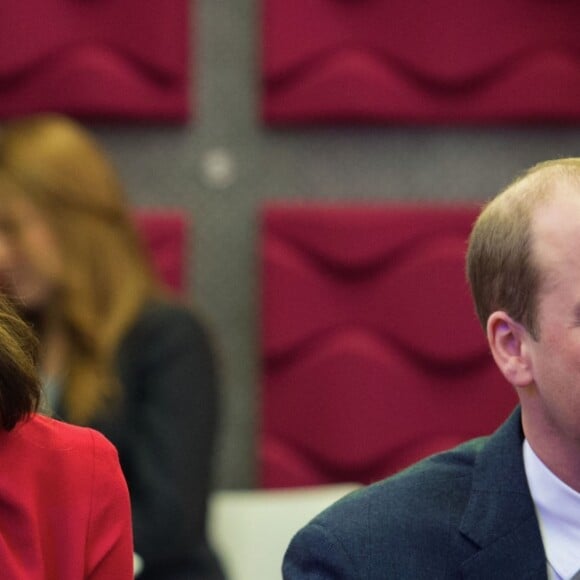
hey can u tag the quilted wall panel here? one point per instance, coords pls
(98, 59)
(445, 61)
(165, 234)
(372, 357)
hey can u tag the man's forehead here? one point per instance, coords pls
(555, 233)
(558, 210)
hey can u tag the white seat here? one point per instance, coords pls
(251, 529)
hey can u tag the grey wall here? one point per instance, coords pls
(164, 166)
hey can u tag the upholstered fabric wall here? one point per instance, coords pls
(444, 61)
(105, 59)
(225, 163)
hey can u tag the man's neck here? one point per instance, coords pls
(558, 453)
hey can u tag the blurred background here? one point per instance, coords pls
(224, 161)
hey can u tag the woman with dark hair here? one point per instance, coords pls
(117, 353)
(64, 505)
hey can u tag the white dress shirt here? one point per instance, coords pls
(558, 511)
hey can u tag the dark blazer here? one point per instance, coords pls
(466, 513)
(164, 430)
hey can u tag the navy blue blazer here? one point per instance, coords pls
(465, 513)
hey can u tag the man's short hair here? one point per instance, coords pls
(501, 269)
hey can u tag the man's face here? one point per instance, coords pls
(553, 401)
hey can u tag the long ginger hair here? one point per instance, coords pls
(56, 164)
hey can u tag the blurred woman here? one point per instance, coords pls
(64, 505)
(116, 353)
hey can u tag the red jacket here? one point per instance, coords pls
(64, 505)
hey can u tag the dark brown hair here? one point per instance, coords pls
(19, 382)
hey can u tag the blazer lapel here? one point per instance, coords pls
(500, 517)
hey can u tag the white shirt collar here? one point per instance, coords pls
(558, 510)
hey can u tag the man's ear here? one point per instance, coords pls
(508, 343)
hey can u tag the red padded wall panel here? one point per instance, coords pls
(165, 235)
(97, 59)
(444, 61)
(372, 356)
